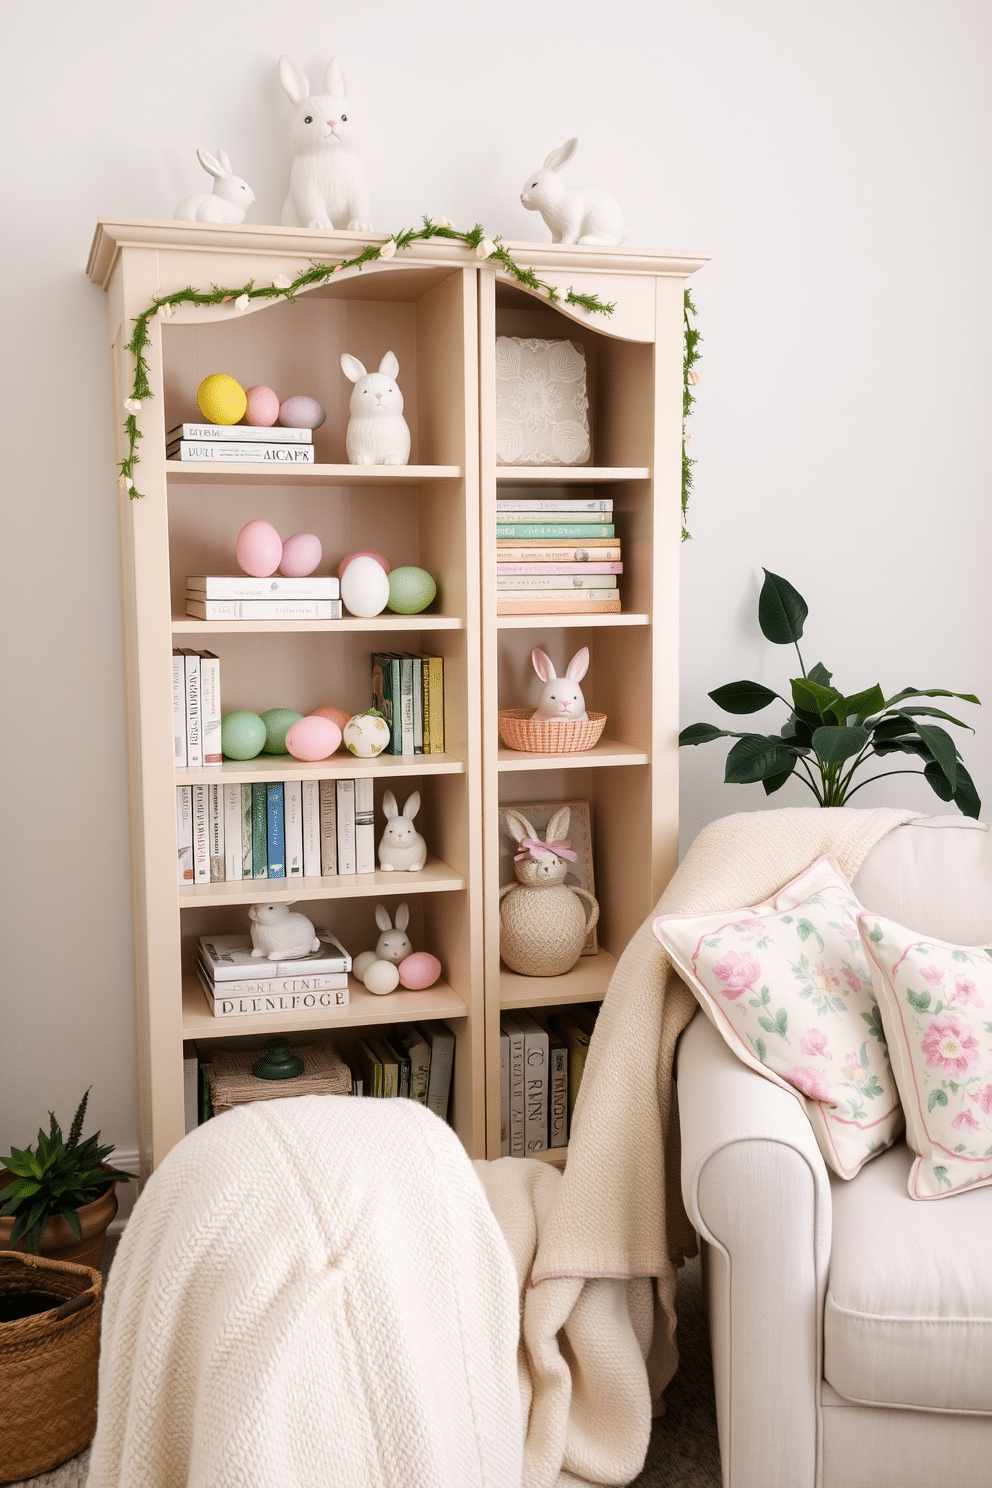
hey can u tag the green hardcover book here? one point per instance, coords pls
(386, 696)
(389, 1060)
(555, 531)
(403, 1065)
(406, 1036)
(259, 830)
(371, 1067)
(247, 856)
(442, 1042)
(205, 1076)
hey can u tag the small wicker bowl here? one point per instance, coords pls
(519, 730)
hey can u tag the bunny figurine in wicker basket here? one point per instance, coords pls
(542, 921)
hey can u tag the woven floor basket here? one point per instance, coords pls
(48, 1369)
(519, 730)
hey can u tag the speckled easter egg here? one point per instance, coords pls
(258, 548)
(410, 590)
(361, 964)
(262, 408)
(383, 563)
(339, 716)
(365, 587)
(381, 977)
(278, 722)
(419, 971)
(242, 735)
(301, 554)
(221, 399)
(313, 738)
(367, 734)
(301, 412)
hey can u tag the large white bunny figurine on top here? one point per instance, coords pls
(575, 214)
(561, 697)
(328, 186)
(229, 200)
(378, 434)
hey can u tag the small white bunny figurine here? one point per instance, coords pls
(393, 944)
(279, 935)
(401, 847)
(575, 214)
(229, 200)
(542, 922)
(328, 186)
(378, 434)
(561, 697)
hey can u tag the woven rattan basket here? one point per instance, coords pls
(519, 730)
(48, 1366)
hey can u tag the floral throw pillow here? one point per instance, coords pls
(788, 986)
(936, 1006)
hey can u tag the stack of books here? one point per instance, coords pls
(212, 443)
(236, 984)
(414, 1060)
(240, 597)
(556, 556)
(408, 690)
(541, 1068)
(196, 715)
(274, 829)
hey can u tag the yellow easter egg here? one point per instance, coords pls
(222, 400)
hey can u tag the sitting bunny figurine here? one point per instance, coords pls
(393, 944)
(328, 186)
(542, 922)
(561, 697)
(401, 847)
(575, 214)
(378, 434)
(279, 935)
(229, 200)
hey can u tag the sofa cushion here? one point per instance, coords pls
(934, 874)
(908, 1317)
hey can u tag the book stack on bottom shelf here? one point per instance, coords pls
(541, 1066)
(556, 557)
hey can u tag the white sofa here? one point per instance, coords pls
(851, 1325)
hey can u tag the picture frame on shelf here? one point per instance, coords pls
(539, 813)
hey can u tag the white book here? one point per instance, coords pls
(267, 1003)
(239, 434)
(311, 828)
(328, 828)
(264, 609)
(536, 1082)
(191, 1088)
(210, 712)
(556, 583)
(233, 832)
(247, 853)
(292, 808)
(215, 829)
(247, 452)
(346, 825)
(179, 707)
(194, 738)
(184, 832)
(515, 1037)
(504, 1093)
(243, 586)
(251, 986)
(364, 826)
(566, 504)
(228, 958)
(201, 836)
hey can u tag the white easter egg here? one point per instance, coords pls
(361, 964)
(364, 587)
(367, 734)
(381, 977)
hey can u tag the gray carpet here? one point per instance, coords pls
(683, 1451)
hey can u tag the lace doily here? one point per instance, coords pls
(541, 404)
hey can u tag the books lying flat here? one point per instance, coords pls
(304, 994)
(554, 583)
(564, 570)
(228, 958)
(577, 602)
(242, 586)
(238, 434)
(522, 514)
(568, 504)
(195, 451)
(600, 550)
(264, 609)
(554, 531)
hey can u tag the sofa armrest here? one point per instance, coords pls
(757, 1190)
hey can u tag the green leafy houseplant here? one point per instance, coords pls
(56, 1177)
(829, 736)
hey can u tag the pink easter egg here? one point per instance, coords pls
(364, 553)
(258, 548)
(419, 971)
(313, 738)
(339, 716)
(301, 554)
(263, 407)
(301, 412)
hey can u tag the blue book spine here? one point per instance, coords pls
(276, 834)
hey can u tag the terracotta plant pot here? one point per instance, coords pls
(57, 1240)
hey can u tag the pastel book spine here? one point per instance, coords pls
(504, 1093)
(539, 552)
(270, 1002)
(275, 830)
(535, 1083)
(517, 1104)
(248, 986)
(239, 434)
(242, 586)
(425, 700)
(292, 806)
(554, 585)
(390, 1067)
(184, 832)
(201, 834)
(247, 856)
(407, 1037)
(578, 1046)
(210, 710)
(263, 609)
(194, 737)
(259, 830)
(558, 1095)
(328, 828)
(553, 531)
(406, 704)
(587, 602)
(233, 821)
(556, 504)
(215, 820)
(442, 1042)
(311, 828)
(179, 707)
(269, 454)
(346, 825)
(516, 516)
(562, 570)
(364, 826)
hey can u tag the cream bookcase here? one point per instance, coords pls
(439, 309)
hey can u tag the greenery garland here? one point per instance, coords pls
(690, 379)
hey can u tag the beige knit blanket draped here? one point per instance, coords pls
(596, 1249)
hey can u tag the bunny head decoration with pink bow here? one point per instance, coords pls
(541, 863)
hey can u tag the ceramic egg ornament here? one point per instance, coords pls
(339, 716)
(361, 964)
(258, 549)
(419, 971)
(278, 722)
(365, 587)
(300, 412)
(367, 734)
(383, 563)
(313, 738)
(221, 399)
(410, 590)
(262, 408)
(301, 554)
(242, 735)
(381, 977)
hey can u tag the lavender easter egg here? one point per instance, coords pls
(364, 587)
(263, 407)
(419, 971)
(258, 549)
(301, 412)
(300, 555)
(313, 738)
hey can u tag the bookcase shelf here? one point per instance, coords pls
(235, 473)
(347, 625)
(570, 622)
(603, 753)
(586, 982)
(363, 1009)
(338, 767)
(567, 475)
(434, 878)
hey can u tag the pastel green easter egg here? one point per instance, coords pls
(242, 735)
(278, 722)
(410, 590)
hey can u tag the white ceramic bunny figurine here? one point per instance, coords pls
(328, 186)
(561, 697)
(229, 200)
(378, 434)
(401, 847)
(542, 923)
(279, 935)
(394, 944)
(575, 214)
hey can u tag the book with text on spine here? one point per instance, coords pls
(328, 828)
(228, 958)
(239, 434)
(184, 832)
(245, 452)
(233, 823)
(253, 986)
(263, 609)
(565, 570)
(516, 1110)
(536, 1082)
(273, 1002)
(554, 531)
(577, 602)
(599, 550)
(311, 829)
(442, 1042)
(554, 504)
(259, 830)
(243, 586)
(179, 707)
(194, 735)
(364, 825)
(554, 583)
(275, 842)
(292, 807)
(210, 709)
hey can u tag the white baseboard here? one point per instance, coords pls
(127, 1193)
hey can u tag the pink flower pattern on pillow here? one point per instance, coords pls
(737, 971)
(810, 1082)
(950, 1045)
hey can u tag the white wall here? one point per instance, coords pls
(833, 156)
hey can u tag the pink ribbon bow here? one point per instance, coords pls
(535, 849)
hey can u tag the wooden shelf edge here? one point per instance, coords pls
(586, 982)
(196, 472)
(337, 767)
(566, 474)
(606, 755)
(435, 878)
(556, 622)
(383, 624)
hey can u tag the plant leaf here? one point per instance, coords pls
(942, 749)
(817, 701)
(935, 713)
(908, 692)
(701, 733)
(782, 610)
(833, 745)
(862, 705)
(756, 757)
(819, 673)
(773, 783)
(743, 697)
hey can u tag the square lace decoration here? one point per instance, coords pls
(542, 410)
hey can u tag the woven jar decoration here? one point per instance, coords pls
(542, 920)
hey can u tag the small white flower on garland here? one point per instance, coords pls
(388, 248)
(241, 304)
(486, 248)
(281, 282)
(132, 404)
